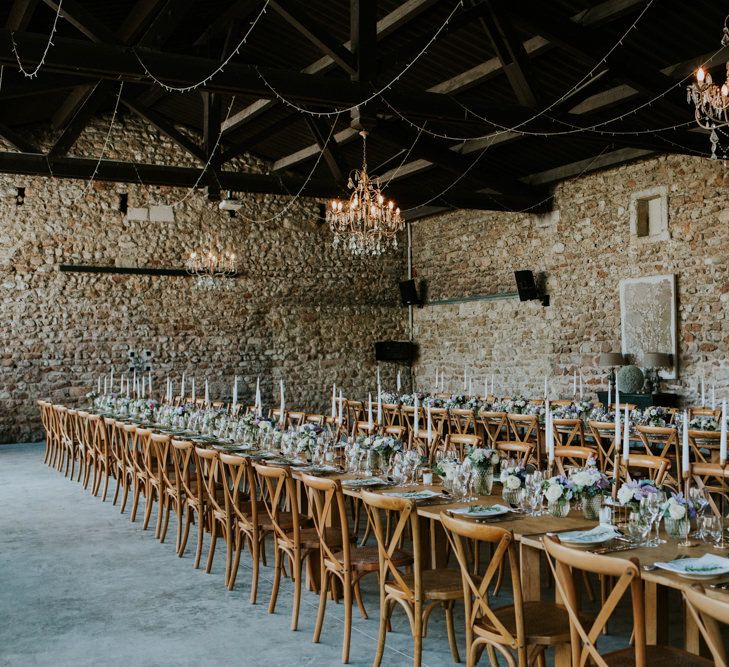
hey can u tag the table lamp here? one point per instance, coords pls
(611, 360)
(652, 361)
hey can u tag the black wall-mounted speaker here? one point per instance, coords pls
(409, 293)
(395, 350)
(526, 286)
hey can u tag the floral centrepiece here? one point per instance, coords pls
(704, 424)
(589, 486)
(631, 493)
(512, 478)
(677, 513)
(558, 491)
(483, 460)
(653, 416)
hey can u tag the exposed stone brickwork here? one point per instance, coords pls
(585, 250)
(300, 310)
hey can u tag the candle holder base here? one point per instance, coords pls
(687, 544)
(721, 546)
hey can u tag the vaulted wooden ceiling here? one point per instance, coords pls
(496, 64)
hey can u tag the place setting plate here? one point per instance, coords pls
(707, 566)
(482, 511)
(589, 538)
(364, 482)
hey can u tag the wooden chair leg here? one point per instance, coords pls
(417, 635)
(255, 547)
(213, 540)
(296, 576)
(347, 585)
(162, 501)
(149, 502)
(237, 548)
(200, 535)
(323, 592)
(106, 483)
(384, 623)
(135, 500)
(360, 603)
(119, 483)
(125, 495)
(178, 535)
(166, 521)
(276, 579)
(448, 608)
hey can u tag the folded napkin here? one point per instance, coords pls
(482, 510)
(602, 533)
(708, 564)
(413, 495)
(367, 481)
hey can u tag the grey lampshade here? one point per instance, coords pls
(657, 360)
(612, 359)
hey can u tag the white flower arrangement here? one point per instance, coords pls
(483, 458)
(589, 482)
(513, 477)
(557, 489)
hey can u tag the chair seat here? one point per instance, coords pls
(367, 559)
(440, 584)
(310, 538)
(657, 656)
(545, 623)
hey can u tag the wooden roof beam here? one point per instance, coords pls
(81, 19)
(332, 157)
(20, 14)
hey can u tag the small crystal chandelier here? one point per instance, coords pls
(209, 265)
(711, 100)
(367, 224)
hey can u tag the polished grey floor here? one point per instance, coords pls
(82, 585)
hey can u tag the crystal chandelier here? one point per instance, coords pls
(711, 100)
(367, 224)
(209, 265)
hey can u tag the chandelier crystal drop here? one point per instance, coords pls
(368, 223)
(211, 264)
(711, 101)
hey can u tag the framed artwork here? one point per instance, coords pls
(648, 319)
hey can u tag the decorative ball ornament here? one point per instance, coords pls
(630, 379)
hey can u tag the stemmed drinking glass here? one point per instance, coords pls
(639, 527)
(698, 498)
(650, 506)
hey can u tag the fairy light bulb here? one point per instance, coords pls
(725, 90)
(701, 75)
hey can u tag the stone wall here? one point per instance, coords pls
(585, 249)
(299, 311)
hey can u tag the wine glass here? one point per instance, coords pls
(638, 528)
(712, 528)
(650, 505)
(698, 497)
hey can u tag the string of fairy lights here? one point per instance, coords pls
(519, 128)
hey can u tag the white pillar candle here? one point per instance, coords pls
(465, 378)
(378, 375)
(685, 445)
(121, 385)
(722, 438)
(127, 384)
(545, 387)
(207, 392)
(626, 436)
(134, 381)
(492, 384)
(415, 415)
(282, 407)
(574, 382)
(430, 426)
(111, 379)
(703, 392)
(182, 387)
(485, 387)
(610, 396)
(442, 380)
(713, 396)
(549, 431)
(258, 402)
(149, 383)
(436, 378)
(141, 386)
(235, 391)
(581, 390)
(399, 383)
(470, 386)
(617, 419)
(369, 412)
(98, 385)
(340, 418)
(379, 406)
(334, 401)
(104, 387)
(192, 382)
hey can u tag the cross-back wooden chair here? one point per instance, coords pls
(292, 536)
(156, 448)
(460, 442)
(461, 420)
(603, 435)
(117, 445)
(630, 406)
(391, 414)
(396, 431)
(663, 441)
(354, 411)
(703, 411)
(85, 446)
(96, 450)
(339, 560)
(704, 445)
(45, 409)
(714, 480)
(208, 461)
(579, 457)
(275, 416)
(364, 428)
(643, 466)
(419, 591)
(526, 429)
(521, 451)
(526, 628)
(195, 505)
(408, 417)
(239, 486)
(708, 613)
(63, 424)
(569, 432)
(69, 440)
(103, 444)
(317, 419)
(585, 633)
(495, 426)
(295, 418)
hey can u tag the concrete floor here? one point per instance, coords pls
(81, 585)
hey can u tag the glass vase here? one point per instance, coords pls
(484, 482)
(511, 496)
(678, 529)
(559, 509)
(591, 507)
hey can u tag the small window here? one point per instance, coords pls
(649, 215)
